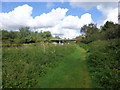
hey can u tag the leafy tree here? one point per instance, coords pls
(110, 30)
(90, 31)
(25, 35)
(103, 47)
(107, 25)
(79, 38)
(5, 35)
(57, 37)
(46, 36)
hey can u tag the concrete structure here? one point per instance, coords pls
(61, 41)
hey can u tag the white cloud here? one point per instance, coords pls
(108, 9)
(74, 22)
(70, 22)
(19, 17)
(66, 33)
(70, 33)
(113, 15)
(55, 21)
(49, 19)
(91, 3)
(109, 14)
(85, 19)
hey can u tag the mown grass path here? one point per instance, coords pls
(70, 73)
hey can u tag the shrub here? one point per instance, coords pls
(103, 62)
(23, 66)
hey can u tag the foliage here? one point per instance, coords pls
(24, 35)
(110, 30)
(103, 50)
(89, 29)
(57, 37)
(103, 62)
(23, 66)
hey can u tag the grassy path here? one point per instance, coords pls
(70, 73)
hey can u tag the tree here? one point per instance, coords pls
(89, 29)
(25, 35)
(46, 36)
(79, 38)
(110, 30)
(90, 32)
(107, 25)
(57, 37)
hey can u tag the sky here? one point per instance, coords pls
(65, 18)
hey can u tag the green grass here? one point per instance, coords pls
(49, 66)
(70, 73)
(23, 66)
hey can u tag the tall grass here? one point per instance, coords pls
(22, 66)
(102, 60)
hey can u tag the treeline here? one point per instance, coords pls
(24, 36)
(103, 48)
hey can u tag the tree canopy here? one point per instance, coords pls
(24, 35)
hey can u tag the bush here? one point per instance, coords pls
(23, 66)
(103, 62)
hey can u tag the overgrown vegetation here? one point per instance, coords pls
(24, 66)
(103, 47)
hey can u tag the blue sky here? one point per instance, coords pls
(41, 7)
(57, 17)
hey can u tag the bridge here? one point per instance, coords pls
(61, 41)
